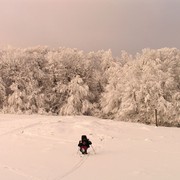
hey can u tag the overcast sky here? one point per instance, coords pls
(91, 25)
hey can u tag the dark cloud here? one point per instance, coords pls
(91, 25)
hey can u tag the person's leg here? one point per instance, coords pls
(83, 149)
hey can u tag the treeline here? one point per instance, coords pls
(66, 81)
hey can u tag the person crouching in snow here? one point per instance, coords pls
(84, 144)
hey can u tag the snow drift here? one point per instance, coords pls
(35, 147)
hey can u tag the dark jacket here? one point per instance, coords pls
(84, 142)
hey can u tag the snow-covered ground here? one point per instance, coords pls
(34, 147)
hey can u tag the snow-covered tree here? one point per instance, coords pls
(68, 82)
(78, 101)
(157, 84)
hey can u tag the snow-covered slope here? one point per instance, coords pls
(34, 147)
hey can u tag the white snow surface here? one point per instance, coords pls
(35, 147)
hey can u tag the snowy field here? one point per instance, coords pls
(34, 147)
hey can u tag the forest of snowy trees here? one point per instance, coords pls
(65, 81)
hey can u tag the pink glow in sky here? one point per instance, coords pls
(91, 25)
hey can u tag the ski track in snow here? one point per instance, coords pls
(19, 172)
(74, 168)
(45, 139)
(15, 170)
(58, 140)
(20, 129)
